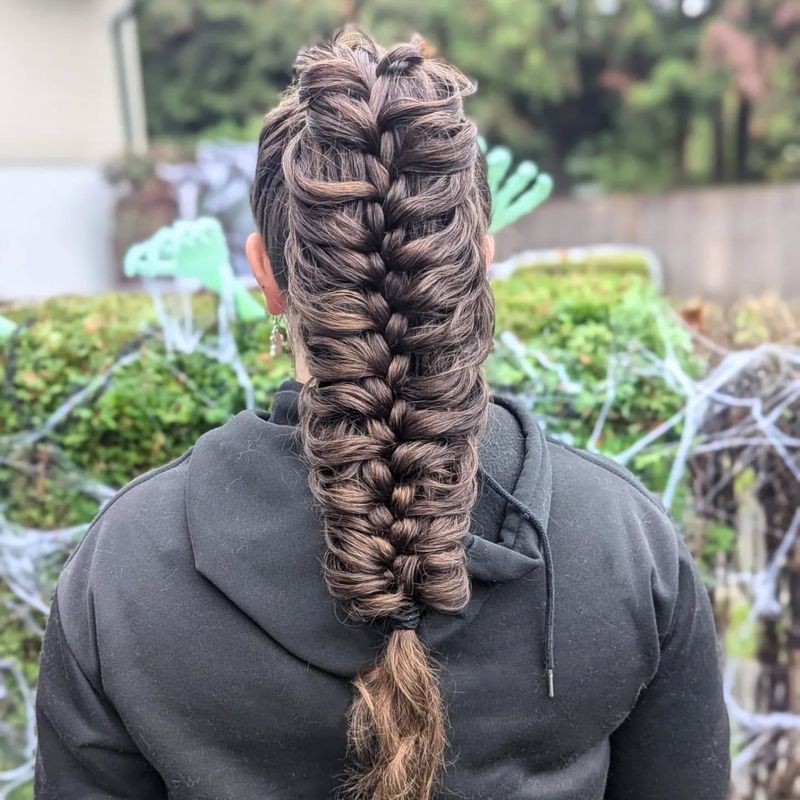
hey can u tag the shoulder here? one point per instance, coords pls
(140, 540)
(160, 487)
(590, 469)
(157, 491)
(155, 500)
(140, 526)
(606, 520)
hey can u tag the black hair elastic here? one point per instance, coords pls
(405, 620)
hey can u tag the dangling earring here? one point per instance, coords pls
(277, 338)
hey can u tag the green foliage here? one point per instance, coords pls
(660, 119)
(218, 65)
(149, 412)
(719, 540)
(741, 636)
(581, 321)
(153, 408)
(629, 94)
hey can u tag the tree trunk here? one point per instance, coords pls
(718, 143)
(743, 138)
(679, 152)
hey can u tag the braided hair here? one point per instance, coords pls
(371, 197)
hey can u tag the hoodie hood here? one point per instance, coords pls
(255, 532)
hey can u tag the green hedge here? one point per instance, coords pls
(580, 321)
(155, 407)
(595, 262)
(148, 412)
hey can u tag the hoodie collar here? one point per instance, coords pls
(285, 403)
(254, 529)
(533, 485)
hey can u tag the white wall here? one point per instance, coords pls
(61, 121)
(59, 88)
(55, 231)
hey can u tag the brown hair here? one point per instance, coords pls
(371, 197)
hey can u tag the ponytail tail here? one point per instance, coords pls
(397, 730)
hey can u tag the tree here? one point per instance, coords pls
(753, 45)
(620, 93)
(216, 66)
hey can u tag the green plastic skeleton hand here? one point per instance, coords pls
(6, 327)
(193, 249)
(514, 194)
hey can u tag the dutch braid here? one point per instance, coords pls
(379, 242)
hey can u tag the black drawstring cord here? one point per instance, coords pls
(548, 571)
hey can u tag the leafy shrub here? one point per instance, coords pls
(747, 322)
(595, 261)
(583, 323)
(144, 414)
(156, 406)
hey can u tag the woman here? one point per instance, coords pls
(391, 586)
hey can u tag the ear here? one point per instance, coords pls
(262, 271)
(488, 250)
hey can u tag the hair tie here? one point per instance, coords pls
(405, 620)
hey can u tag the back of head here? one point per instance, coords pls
(371, 198)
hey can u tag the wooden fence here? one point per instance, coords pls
(721, 243)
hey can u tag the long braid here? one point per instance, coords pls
(386, 218)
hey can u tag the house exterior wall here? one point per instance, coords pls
(63, 110)
(59, 83)
(55, 231)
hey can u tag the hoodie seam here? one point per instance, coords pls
(590, 458)
(62, 638)
(98, 691)
(176, 462)
(140, 480)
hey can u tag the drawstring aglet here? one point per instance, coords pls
(528, 515)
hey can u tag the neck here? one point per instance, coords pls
(300, 367)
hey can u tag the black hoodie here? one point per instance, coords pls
(193, 650)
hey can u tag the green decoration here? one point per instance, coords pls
(193, 249)
(514, 193)
(7, 327)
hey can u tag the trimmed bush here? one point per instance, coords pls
(595, 262)
(598, 328)
(152, 409)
